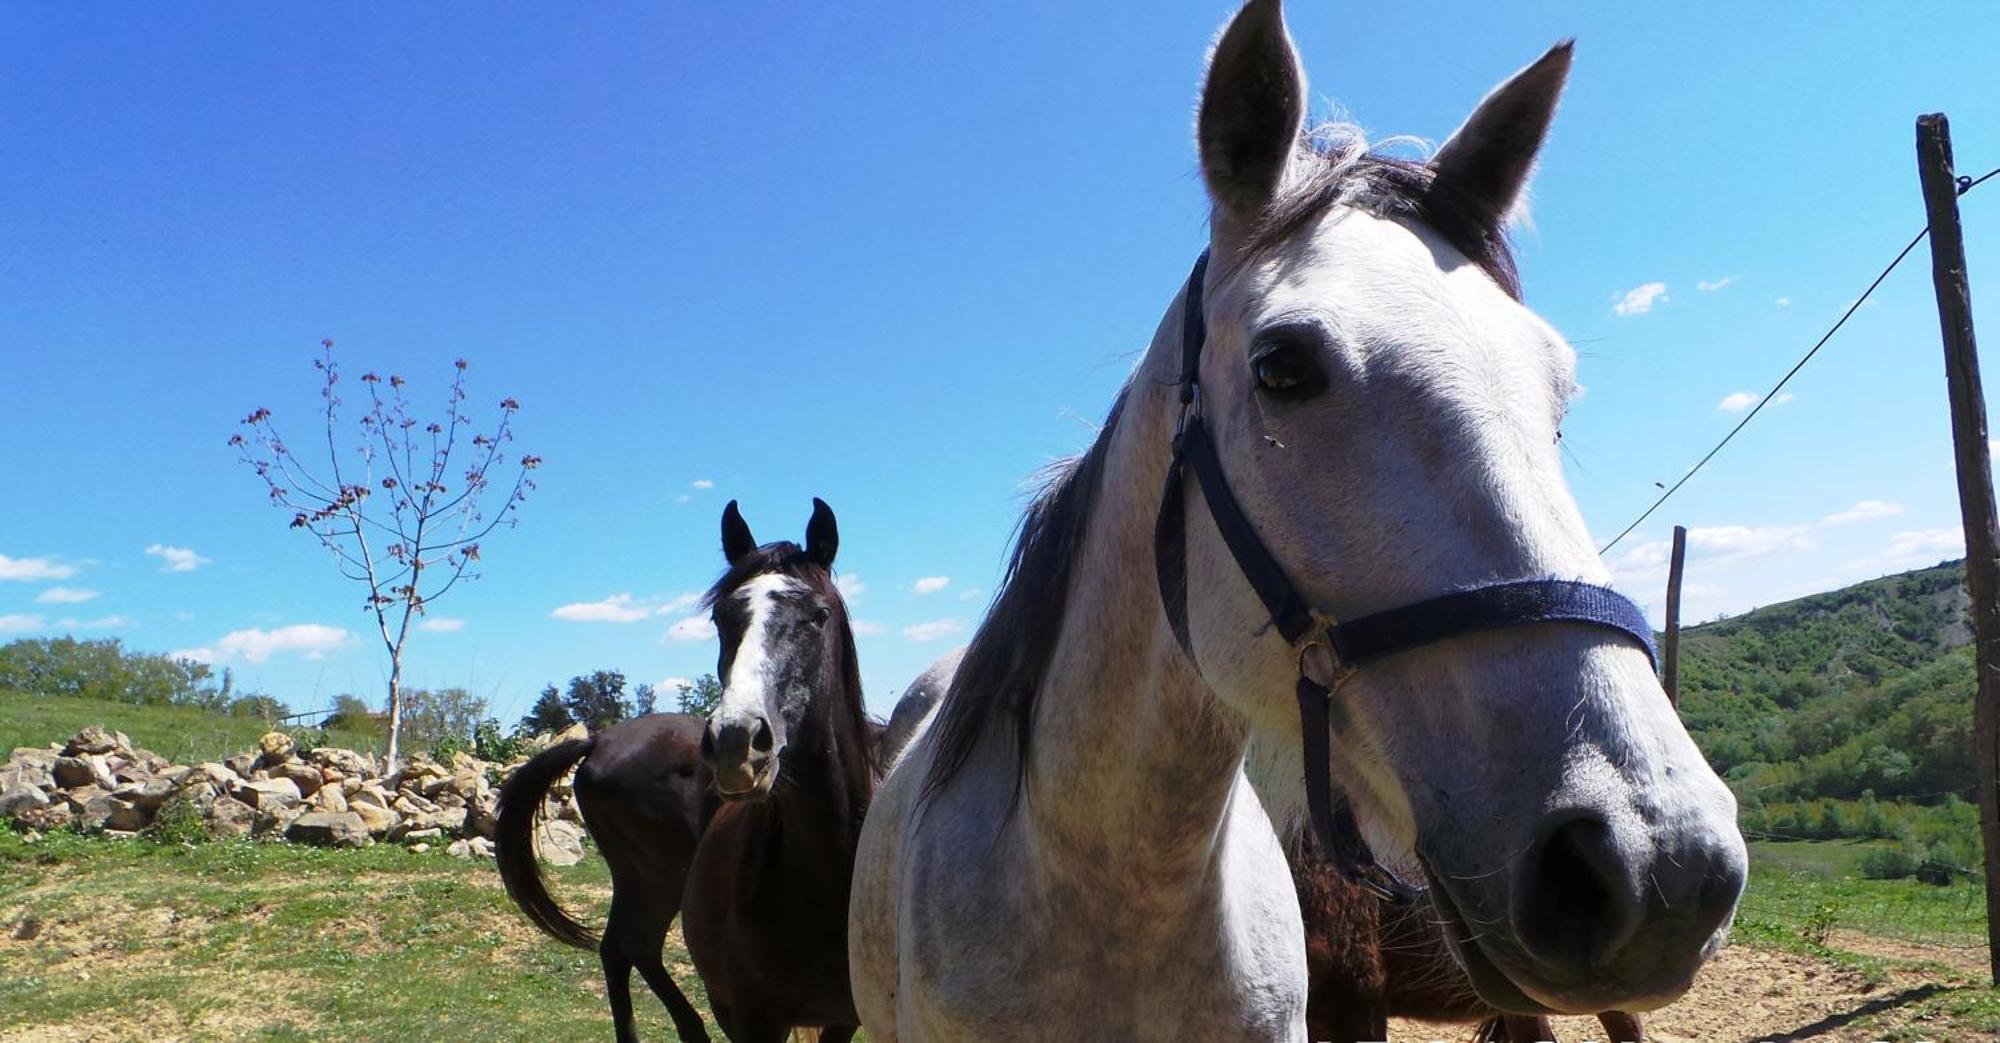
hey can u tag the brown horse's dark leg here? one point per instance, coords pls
(1620, 1027)
(687, 1021)
(1522, 1028)
(1332, 1017)
(618, 988)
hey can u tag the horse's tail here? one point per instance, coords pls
(514, 841)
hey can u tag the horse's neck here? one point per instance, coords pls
(1128, 741)
(817, 814)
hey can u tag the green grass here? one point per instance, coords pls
(1790, 881)
(269, 941)
(181, 734)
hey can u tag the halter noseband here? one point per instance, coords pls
(1329, 652)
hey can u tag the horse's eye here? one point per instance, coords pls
(1286, 369)
(821, 615)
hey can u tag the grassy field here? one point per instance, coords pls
(111, 939)
(181, 734)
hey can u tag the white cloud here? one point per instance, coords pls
(931, 584)
(176, 559)
(33, 569)
(442, 625)
(110, 622)
(1783, 302)
(64, 596)
(850, 586)
(866, 628)
(624, 608)
(934, 629)
(1715, 544)
(1866, 510)
(970, 594)
(255, 645)
(702, 483)
(673, 685)
(693, 628)
(1710, 286)
(14, 621)
(1949, 542)
(1640, 299)
(1737, 401)
(683, 498)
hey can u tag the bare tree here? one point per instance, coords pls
(391, 507)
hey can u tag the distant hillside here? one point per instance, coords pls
(1868, 687)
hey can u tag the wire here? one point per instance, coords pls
(1965, 184)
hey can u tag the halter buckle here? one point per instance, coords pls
(1333, 672)
(1190, 407)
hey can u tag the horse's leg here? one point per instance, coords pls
(617, 986)
(1620, 1027)
(1334, 1017)
(687, 1021)
(1523, 1028)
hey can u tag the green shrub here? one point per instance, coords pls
(178, 822)
(1889, 863)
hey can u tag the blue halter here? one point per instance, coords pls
(1345, 647)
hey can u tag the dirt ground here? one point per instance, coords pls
(1752, 995)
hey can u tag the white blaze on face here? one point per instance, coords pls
(745, 692)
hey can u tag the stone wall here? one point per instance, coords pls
(98, 782)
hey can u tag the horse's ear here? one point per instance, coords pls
(1488, 161)
(1253, 107)
(736, 539)
(822, 535)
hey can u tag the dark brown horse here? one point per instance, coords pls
(793, 757)
(645, 797)
(1367, 962)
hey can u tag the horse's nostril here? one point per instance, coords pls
(761, 741)
(708, 742)
(1572, 903)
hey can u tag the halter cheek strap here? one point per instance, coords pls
(1330, 652)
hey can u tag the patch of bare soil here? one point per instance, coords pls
(1751, 996)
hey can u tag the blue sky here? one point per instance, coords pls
(898, 258)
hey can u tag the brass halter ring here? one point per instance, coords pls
(1321, 637)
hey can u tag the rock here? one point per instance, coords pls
(153, 793)
(95, 739)
(229, 818)
(105, 811)
(559, 843)
(328, 829)
(273, 821)
(369, 793)
(218, 775)
(432, 833)
(269, 793)
(35, 767)
(346, 762)
(276, 747)
(126, 817)
(76, 798)
(125, 770)
(459, 849)
(480, 820)
(329, 798)
(418, 849)
(481, 847)
(304, 776)
(55, 815)
(19, 797)
(72, 772)
(241, 765)
(377, 819)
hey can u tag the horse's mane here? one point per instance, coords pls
(788, 559)
(1003, 669)
(1009, 657)
(1336, 167)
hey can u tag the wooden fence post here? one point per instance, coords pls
(1975, 486)
(1670, 656)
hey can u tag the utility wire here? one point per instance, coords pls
(1965, 184)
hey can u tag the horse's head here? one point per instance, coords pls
(1388, 413)
(787, 651)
